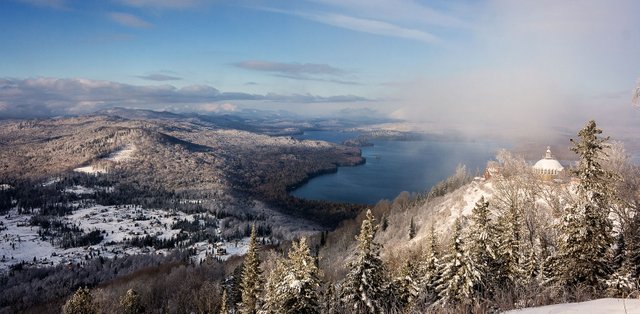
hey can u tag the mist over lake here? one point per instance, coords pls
(393, 167)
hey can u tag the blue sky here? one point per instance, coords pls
(460, 63)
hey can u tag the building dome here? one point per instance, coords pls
(548, 165)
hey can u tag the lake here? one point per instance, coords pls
(393, 167)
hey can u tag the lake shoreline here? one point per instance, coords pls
(391, 166)
(322, 172)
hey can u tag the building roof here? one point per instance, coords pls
(548, 162)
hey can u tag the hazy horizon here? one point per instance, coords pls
(467, 66)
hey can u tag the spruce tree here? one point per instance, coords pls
(329, 302)
(80, 303)
(131, 302)
(363, 289)
(223, 302)
(587, 229)
(297, 292)
(251, 281)
(272, 301)
(459, 274)
(632, 261)
(429, 269)
(531, 266)
(482, 245)
(404, 288)
(509, 248)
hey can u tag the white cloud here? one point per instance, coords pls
(215, 107)
(44, 97)
(129, 20)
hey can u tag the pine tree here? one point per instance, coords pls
(587, 228)
(251, 282)
(459, 273)
(412, 229)
(80, 303)
(363, 290)
(223, 302)
(483, 246)
(131, 302)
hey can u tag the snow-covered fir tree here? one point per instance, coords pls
(329, 302)
(223, 302)
(531, 266)
(482, 246)
(459, 274)
(632, 254)
(251, 284)
(404, 288)
(509, 250)
(429, 270)
(80, 303)
(297, 289)
(587, 228)
(363, 290)
(132, 303)
(271, 301)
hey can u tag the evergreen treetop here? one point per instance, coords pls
(251, 281)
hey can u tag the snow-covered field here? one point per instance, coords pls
(613, 306)
(122, 155)
(117, 156)
(20, 242)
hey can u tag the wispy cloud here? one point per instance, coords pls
(161, 4)
(129, 20)
(289, 68)
(159, 77)
(298, 71)
(407, 19)
(372, 27)
(42, 97)
(55, 4)
(399, 11)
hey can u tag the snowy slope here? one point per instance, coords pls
(117, 156)
(629, 306)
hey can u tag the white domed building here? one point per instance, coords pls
(548, 166)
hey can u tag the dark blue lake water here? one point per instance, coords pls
(393, 167)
